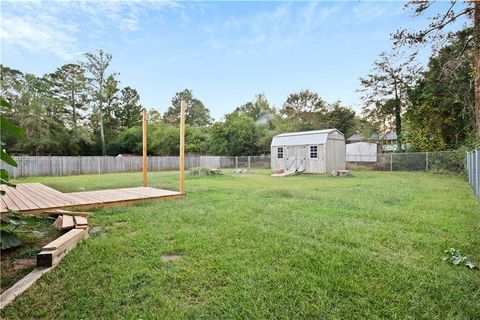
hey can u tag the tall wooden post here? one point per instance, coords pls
(181, 178)
(144, 139)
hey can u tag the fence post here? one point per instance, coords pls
(426, 161)
(248, 163)
(391, 161)
(477, 178)
(236, 162)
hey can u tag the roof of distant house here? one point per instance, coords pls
(126, 155)
(374, 136)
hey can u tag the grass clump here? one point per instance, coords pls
(205, 171)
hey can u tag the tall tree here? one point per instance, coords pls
(97, 64)
(69, 84)
(385, 89)
(441, 114)
(129, 113)
(341, 118)
(111, 106)
(196, 114)
(306, 107)
(436, 32)
(259, 109)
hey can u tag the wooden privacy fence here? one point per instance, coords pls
(75, 165)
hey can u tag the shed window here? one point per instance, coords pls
(313, 152)
(280, 153)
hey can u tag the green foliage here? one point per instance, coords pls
(9, 224)
(7, 128)
(196, 114)
(9, 240)
(129, 113)
(441, 115)
(236, 136)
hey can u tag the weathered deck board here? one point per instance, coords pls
(36, 197)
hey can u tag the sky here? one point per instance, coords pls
(225, 52)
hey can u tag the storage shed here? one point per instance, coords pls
(318, 151)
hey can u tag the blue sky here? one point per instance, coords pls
(226, 52)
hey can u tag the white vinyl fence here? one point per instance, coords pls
(473, 170)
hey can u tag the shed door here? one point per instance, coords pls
(300, 158)
(290, 158)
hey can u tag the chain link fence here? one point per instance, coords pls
(441, 161)
(473, 170)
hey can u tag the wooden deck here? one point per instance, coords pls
(36, 197)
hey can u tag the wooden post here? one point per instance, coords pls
(144, 139)
(181, 182)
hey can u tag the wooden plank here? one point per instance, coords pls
(84, 198)
(33, 196)
(97, 196)
(46, 200)
(144, 151)
(181, 164)
(80, 221)
(67, 222)
(18, 288)
(26, 199)
(62, 240)
(4, 205)
(20, 204)
(58, 222)
(9, 202)
(49, 258)
(56, 196)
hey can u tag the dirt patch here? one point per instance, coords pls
(171, 257)
(20, 264)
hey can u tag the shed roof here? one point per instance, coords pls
(302, 138)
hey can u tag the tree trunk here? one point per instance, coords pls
(100, 109)
(74, 111)
(476, 35)
(102, 134)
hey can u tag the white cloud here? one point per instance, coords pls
(31, 33)
(54, 26)
(260, 33)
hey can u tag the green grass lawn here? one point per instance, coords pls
(256, 247)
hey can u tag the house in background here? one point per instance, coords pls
(318, 151)
(387, 140)
(363, 152)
